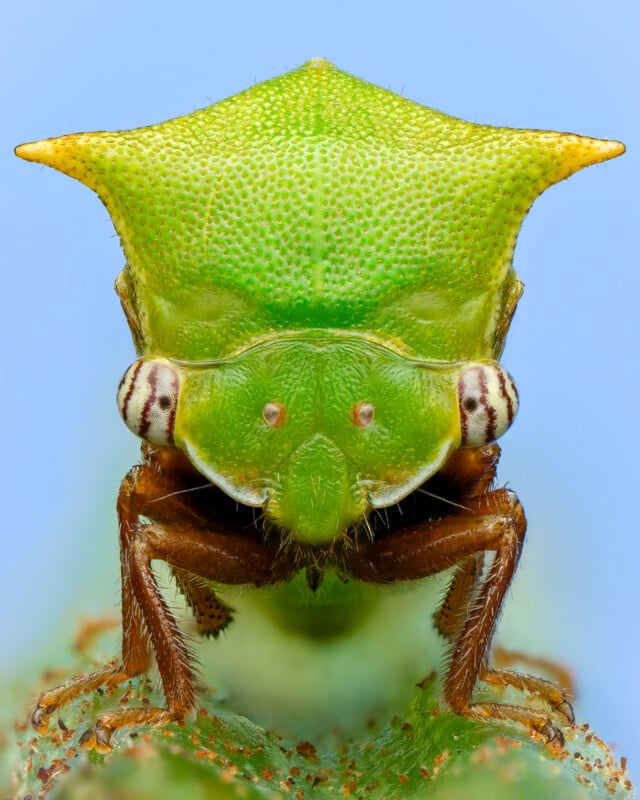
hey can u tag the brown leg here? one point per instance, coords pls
(473, 472)
(490, 522)
(211, 614)
(90, 629)
(550, 692)
(467, 474)
(136, 657)
(456, 603)
(449, 618)
(181, 536)
(48, 702)
(557, 672)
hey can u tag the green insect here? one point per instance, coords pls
(319, 283)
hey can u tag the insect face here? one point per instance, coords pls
(284, 426)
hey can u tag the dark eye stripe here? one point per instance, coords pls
(490, 411)
(171, 422)
(505, 393)
(464, 414)
(133, 379)
(151, 384)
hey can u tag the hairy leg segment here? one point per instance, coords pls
(484, 521)
(198, 549)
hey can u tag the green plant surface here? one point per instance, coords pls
(424, 753)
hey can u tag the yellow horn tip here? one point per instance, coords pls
(68, 154)
(35, 151)
(582, 151)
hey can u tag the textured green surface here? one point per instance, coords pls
(316, 200)
(220, 427)
(421, 754)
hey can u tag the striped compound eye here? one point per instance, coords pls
(488, 402)
(148, 398)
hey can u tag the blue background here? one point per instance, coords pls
(573, 350)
